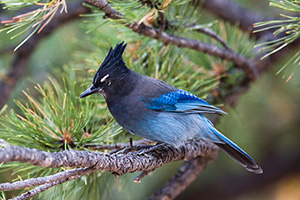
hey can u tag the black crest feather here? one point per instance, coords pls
(113, 63)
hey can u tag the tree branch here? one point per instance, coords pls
(44, 180)
(148, 31)
(41, 188)
(239, 60)
(88, 162)
(210, 33)
(130, 162)
(103, 5)
(141, 175)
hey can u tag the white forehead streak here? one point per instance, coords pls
(104, 78)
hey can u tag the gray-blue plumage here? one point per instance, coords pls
(157, 111)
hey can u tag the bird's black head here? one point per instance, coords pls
(111, 75)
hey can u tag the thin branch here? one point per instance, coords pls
(162, 25)
(182, 42)
(106, 8)
(47, 179)
(212, 34)
(142, 175)
(41, 188)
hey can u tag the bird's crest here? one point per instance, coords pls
(113, 63)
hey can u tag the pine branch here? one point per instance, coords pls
(88, 162)
(239, 60)
(109, 11)
(130, 162)
(41, 188)
(211, 33)
(45, 180)
(143, 174)
(182, 42)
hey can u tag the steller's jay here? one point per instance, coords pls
(155, 110)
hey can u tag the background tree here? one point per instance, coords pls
(205, 47)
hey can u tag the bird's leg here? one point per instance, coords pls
(126, 149)
(131, 148)
(131, 143)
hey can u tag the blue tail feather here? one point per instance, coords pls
(238, 154)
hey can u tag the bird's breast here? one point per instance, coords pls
(129, 112)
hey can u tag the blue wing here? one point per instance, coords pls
(181, 101)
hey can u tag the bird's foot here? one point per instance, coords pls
(123, 151)
(152, 148)
(131, 148)
(141, 149)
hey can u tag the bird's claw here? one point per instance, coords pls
(143, 152)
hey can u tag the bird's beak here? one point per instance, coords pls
(89, 91)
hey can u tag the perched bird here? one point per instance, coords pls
(155, 110)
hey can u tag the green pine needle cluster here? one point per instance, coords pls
(57, 119)
(287, 30)
(32, 21)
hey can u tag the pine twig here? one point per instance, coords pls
(211, 33)
(107, 9)
(45, 180)
(41, 188)
(163, 22)
(142, 175)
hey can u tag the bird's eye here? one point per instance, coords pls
(105, 80)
